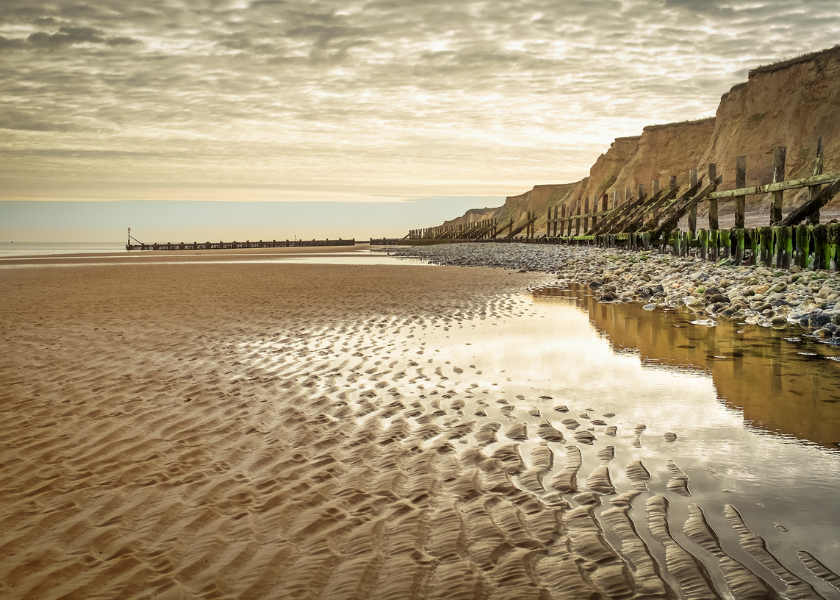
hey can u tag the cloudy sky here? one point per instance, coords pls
(359, 101)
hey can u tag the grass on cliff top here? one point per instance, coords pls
(788, 62)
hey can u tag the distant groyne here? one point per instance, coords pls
(237, 245)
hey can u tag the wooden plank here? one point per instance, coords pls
(778, 176)
(797, 215)
(684, 204)
(813, 190)
(740, 183)
(713, 204)
(692, 213)
(791, 184)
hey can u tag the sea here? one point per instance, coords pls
(8, 249)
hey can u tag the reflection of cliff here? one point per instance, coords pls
(776, 387)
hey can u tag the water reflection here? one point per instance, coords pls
(782, 381)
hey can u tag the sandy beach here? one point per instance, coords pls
(264, 430)
(184, 431)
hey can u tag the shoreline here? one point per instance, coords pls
(756, 295)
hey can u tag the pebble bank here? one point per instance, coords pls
(754, 295)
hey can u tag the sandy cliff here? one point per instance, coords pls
(791, 104)
(787, 104)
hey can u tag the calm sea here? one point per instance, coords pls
(46, 248)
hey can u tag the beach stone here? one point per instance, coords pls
(818, 318)
(778, 321)
(760, 289)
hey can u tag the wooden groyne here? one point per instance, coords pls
(235, 245)
(645, 220)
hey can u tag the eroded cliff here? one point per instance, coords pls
(791, 103)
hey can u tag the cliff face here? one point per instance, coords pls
(790, 104)
(606, 170)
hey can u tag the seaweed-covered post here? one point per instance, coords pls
(725, 242)
(740, 246)
(766, 234)
(819, 232)
(800, 256)
(692, 212)
(833, 239)
(703, 237)
(814, 217)
(740, 183)
(778, 176)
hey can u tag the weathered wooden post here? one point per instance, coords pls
(692, 212)
(778, 176)
(713, 203)
(740, 246)
(832, 243)
(814, 218)
(740, 183)
(577, 220)
(616, 199)
(586, 214)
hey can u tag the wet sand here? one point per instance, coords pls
(338, 431)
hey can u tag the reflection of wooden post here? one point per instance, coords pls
(713, 203)
(692, 213)
(740, 183)
(778, 176)
(814, 218)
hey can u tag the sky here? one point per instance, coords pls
(430, 106)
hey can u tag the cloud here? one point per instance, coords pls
(423, 96)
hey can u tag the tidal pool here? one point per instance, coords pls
(743, 417)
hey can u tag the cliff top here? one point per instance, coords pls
(802, 58)
(678, 124)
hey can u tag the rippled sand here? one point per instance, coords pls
(288, 431)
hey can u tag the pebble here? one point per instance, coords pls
(756, 295)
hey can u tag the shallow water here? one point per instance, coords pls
(716, 417)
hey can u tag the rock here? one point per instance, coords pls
(818, 318)
(778, 321)
(795, 268)
(760, 289)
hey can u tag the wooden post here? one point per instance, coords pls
(778, 176)
(577, 220)
(586, 213)
(563, 222)
(692, 213)
(814, 218)
(740, 182)
(604, 201)
(713, 204)
(627, 194)
(616, 199)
